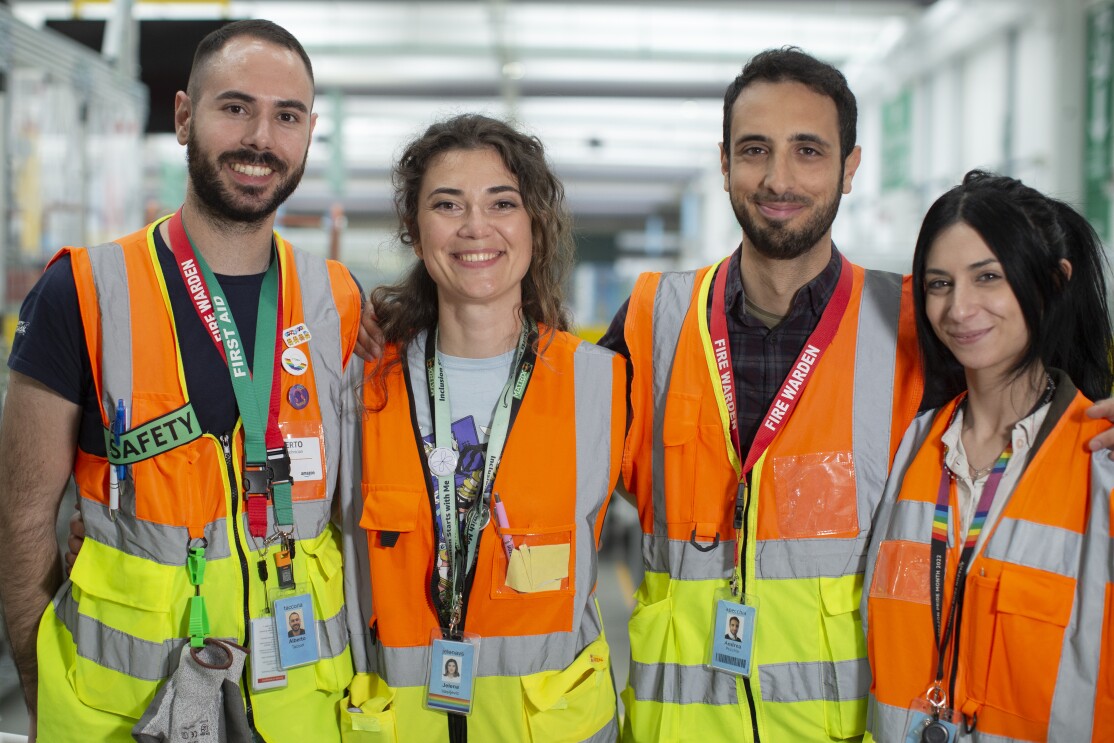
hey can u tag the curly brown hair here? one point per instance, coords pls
(409, 306)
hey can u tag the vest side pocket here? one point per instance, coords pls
(574, 703)
(844, 647)
(679, 443)
(367, 713)
(126, 640)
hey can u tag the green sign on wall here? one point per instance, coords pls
(1097, 140)
(897, 141)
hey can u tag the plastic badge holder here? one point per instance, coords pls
(452, 669)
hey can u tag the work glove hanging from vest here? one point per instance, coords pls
(201, 699)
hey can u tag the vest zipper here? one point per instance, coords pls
(744, 533)
(234, 491)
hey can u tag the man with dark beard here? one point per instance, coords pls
(768, 394)
(171, 373)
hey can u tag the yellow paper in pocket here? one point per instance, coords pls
(538, 568)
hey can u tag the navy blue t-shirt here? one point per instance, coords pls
(49, 345)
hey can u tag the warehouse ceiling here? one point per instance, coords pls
(626, 96)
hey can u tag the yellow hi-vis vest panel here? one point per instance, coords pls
(813, 495)
(114, 632)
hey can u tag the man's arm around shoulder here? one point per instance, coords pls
(38, 440)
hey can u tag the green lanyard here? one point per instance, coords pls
(254, 391)
(462, 553)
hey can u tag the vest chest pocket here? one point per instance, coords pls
(541, 563)
(1033, 609)
(686, 441)
(400, 547)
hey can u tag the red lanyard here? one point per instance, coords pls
(785, 402)
(202, 299)
(718, 354)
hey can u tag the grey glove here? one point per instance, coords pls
(201, 700)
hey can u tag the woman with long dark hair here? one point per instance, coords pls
(492, 440)
(990, 564)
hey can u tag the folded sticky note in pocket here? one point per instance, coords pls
(538, 568)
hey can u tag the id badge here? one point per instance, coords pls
(926, 724)
(266, 673)
(733, 634)
(452, 674)
(296, 630)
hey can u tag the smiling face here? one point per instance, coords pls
(474, 232)
(295, 621)
(247, 128)
(783, 170)
(971, 307)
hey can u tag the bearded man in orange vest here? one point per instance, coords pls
(189, 377)
(769, 393)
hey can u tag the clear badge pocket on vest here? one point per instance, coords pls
(1033, 609)
(574, 703)
(902, 572)
(533, 562)
(815, 495)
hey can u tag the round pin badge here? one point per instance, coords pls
(294, 361)
(298, 396)
(442, 462)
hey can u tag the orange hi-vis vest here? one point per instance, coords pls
(543, 662)
(1035, 661)
(806, 524)
(115, 630)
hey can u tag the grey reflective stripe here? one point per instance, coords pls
(332, 634)
(1035, 545)
(111, 648)
(875, 364)
(607, 734)
(110, 279)
(780, 559)
(500, 656)
(672, 683)
(356, 565)
(155, 661)
(659, 552)
(910, 445)
(912, 521)
(1073, 701)
(671, 304)
(159, 543)
(841, 681)
(593, 378)
(326, 351)
(887, 723)
(774, 559)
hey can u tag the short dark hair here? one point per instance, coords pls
(256, 28)
(790, 64)
(1029, 233)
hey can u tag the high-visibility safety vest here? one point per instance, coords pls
(114, 631)
(543, 662)
(805, 531)
(1035, 661)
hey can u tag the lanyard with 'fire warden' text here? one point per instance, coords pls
(717, 354)
(266, 463)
